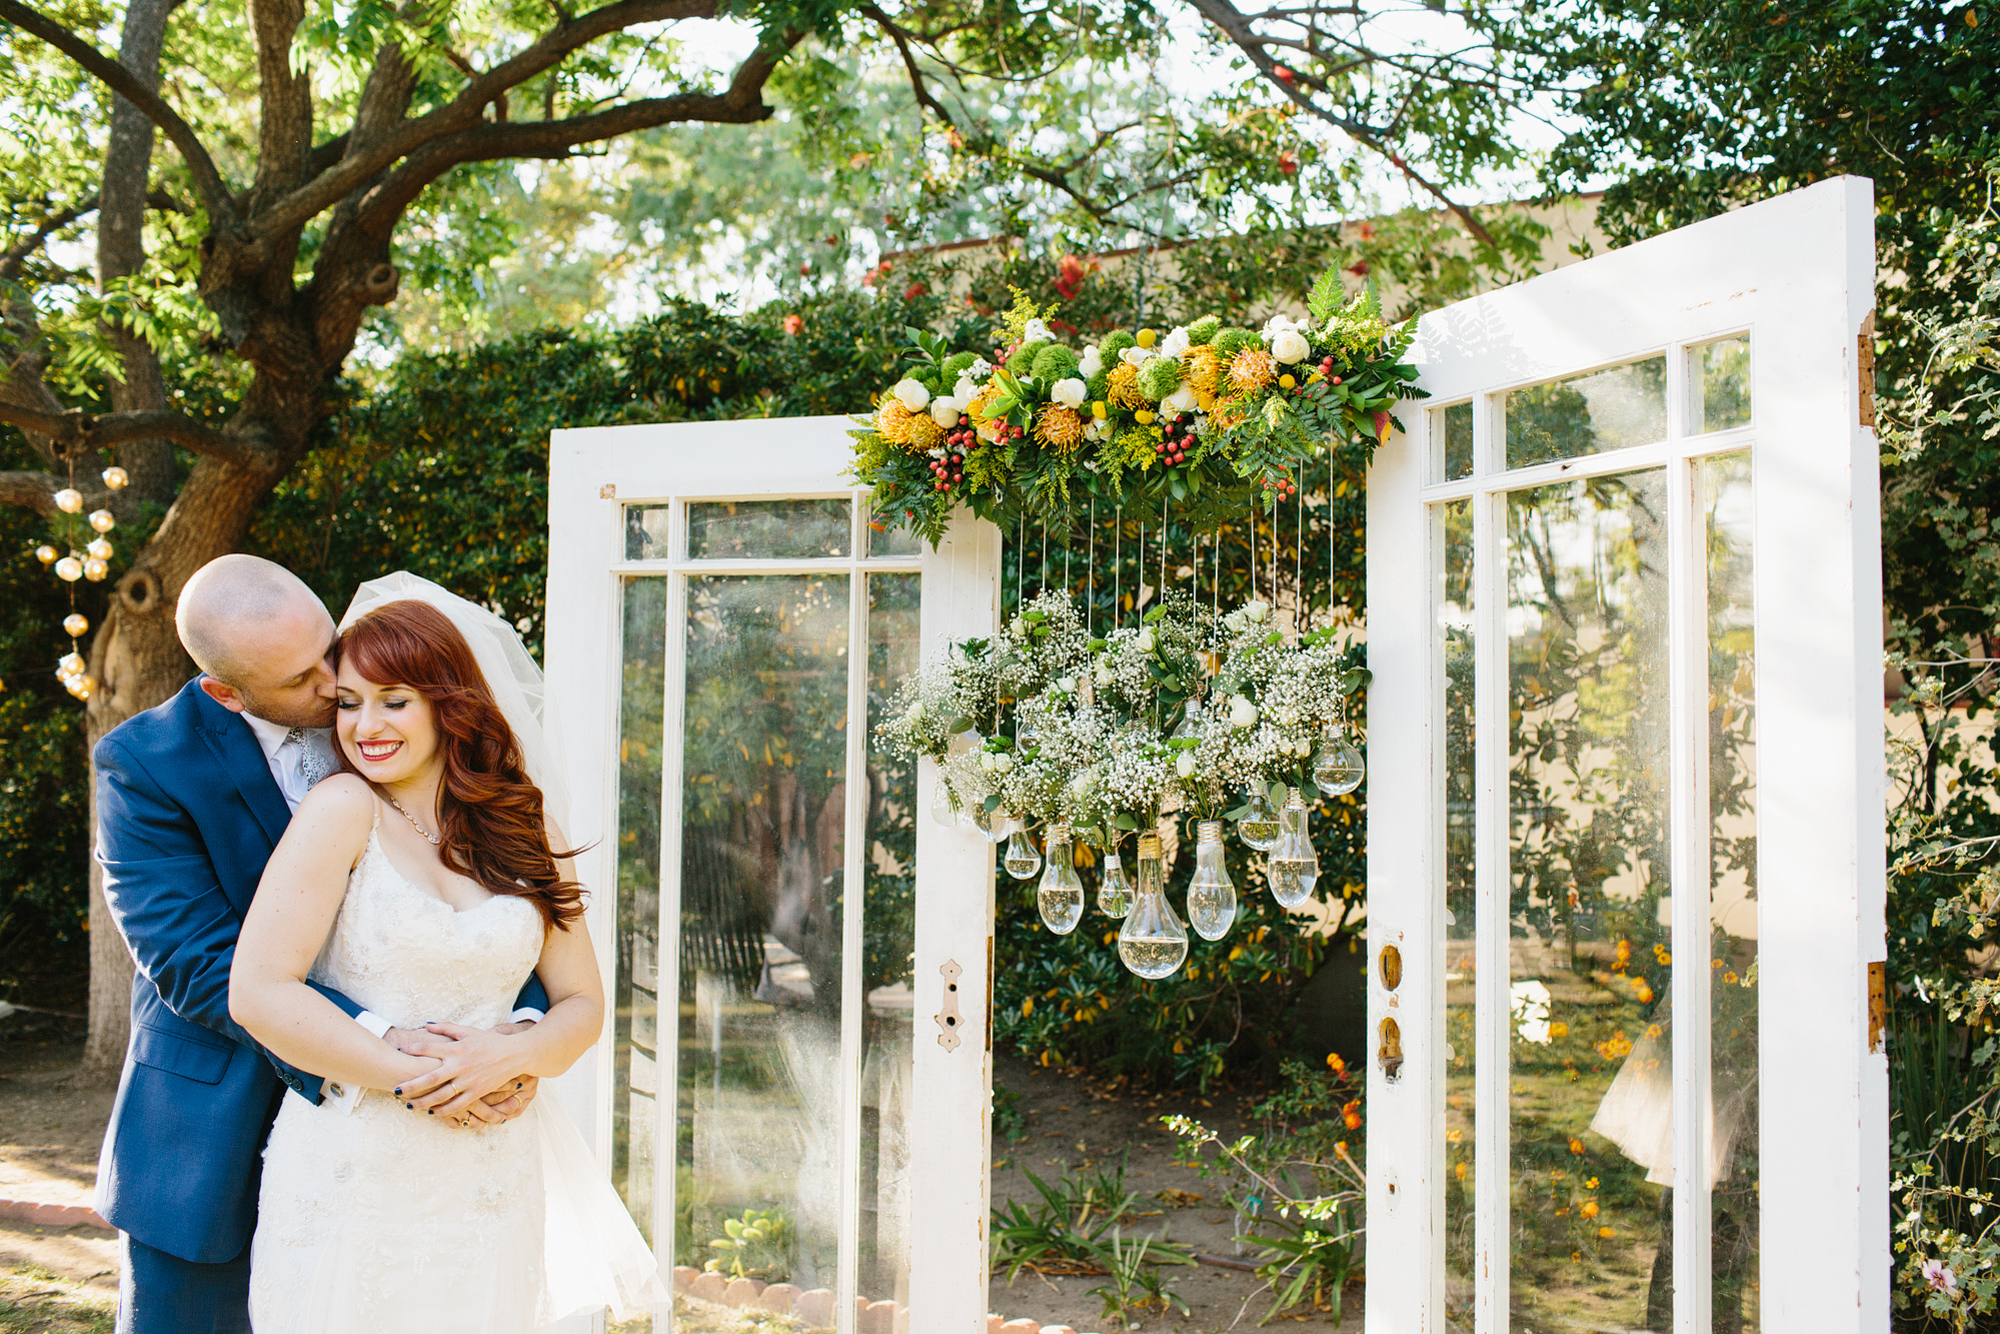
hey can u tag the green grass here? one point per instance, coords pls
(35, 1301)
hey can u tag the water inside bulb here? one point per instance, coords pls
(1114, 888)
(1152, 941)
(1338, 767)
(1259, 826)
(1021, 859)
(1293, 863)
(1211, 898)
(1060, 895)
(942, 811)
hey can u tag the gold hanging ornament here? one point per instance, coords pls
(69, 500)
(95, 570)
(115, 479)
(103, 521)
(76, 625)
(46, 554)
(99, 549)
(69, 569)
(93, 563)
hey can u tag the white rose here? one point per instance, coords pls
(1103, 674)
(988, 761)
(1036, 332)
(1181, 400)
(1002, 762)
(912, 395)
(1184, 764)
(1092, 363)
(1174, 343)
(1242, 713)
(1097, 430)
(1069, 393)
(1290, 346)
(1020, 626)
(964, 390)
(1137, 356)
(1068, 684)
(1146, 641)
(1256, 611)
(1276, 323)
(944, 411)
(1288, 716)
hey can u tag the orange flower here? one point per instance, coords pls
(1575, 1145)
(1059, 427)
(1606, 1232)
(1123, 387)
(1589, 1209)
(1252, 369)
(1558, 1029)
(1334, 1063)
(1459, 1171)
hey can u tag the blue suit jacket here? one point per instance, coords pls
(188, 814)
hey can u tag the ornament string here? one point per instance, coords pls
(1299, 558)
(1090, 573)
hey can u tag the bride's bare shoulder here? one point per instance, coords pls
(340, 805)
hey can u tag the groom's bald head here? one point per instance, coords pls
(261, 638)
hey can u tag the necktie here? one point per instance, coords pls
(312, 766)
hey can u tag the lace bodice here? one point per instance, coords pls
(413, 959)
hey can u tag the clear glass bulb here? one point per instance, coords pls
(943, 811)
(1114, 888)
(1294, 864)
(1152, 942)
(996, 824)
(1021, 859)
(1060, 895)
(1259, 826)
(1338, 767)
(1211, 897)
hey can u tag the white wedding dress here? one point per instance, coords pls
(386, 1220)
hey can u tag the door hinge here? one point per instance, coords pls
(948, 1018)
(1878, 1004)
(1864, 360)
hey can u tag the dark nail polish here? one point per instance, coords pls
(430, 1111)
(412, 1106)
(399, 1093)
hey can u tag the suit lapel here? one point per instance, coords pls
(235, 746)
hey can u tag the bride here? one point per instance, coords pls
(424, 882)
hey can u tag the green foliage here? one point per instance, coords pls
(757, 1244)
(1137, 1281)
(1068, 1230)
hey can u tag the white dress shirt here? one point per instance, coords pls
(287, 760)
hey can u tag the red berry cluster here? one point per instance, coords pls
(1280, 486)
(1326, 369)
(1174, 442)
(950, 470)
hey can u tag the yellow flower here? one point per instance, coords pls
(1252, 370)
(1201, 370)
(1589, 1209)
(914, 431)
(1124, 386)
(1575, 1145)
(1729, 977)
(1286, 382)
(1148, 337)
(1606, 1232)
(1591, 1184)
(1459, 1171)
(1558, 1029)
(981, 401)
(1059, 427)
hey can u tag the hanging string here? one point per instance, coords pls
(1139, 594)
(1329, 536)
(1299, 558)
(1090, 574)
(1117, 561)
(1020, 562)
(1042, 577)
(1163, 546)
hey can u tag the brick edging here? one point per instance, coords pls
(51, 1215)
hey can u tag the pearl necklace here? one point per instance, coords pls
(434, 839)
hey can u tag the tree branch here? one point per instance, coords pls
(215, 195)
(902, 41)
(29, 491)
(75, 433)
(741, 104)
(463, 112)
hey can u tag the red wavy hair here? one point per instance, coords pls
(490, 816)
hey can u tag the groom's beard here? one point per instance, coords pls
(317, 713)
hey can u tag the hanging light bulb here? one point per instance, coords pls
(1152, 942)
(103, 520)
(943, 810)
(76, 625)
(1294, 865)
(1021, 859)
(46, 554)
(72, 664)
(69, 500)
(1114, 888)
(1258, 827)
(1060, 895)
(1211, 898)
(95, 570)
(1338, 767)
(996, 824)
(115, 479)
(69, 569)
(81, 686)
(99, 549)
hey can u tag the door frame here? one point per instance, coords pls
(1798, 273)
(593, 474)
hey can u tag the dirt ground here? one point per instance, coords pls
(56, 1280)
(65, 1279)
(1073, 1122)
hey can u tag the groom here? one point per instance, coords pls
(192, 797)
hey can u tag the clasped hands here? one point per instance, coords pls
(475, 1076)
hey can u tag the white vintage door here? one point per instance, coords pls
(785, 1056)
(1625, 808)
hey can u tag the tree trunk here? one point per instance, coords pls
(125, 686)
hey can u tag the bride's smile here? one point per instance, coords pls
(388, 731)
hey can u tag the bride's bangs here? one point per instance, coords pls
(493, 827)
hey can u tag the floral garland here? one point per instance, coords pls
(1185, 711)
(1204, 420)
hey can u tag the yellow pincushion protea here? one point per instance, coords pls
(1059, 427)
(914, 431)
(1251, 370)
(1229, 413)
(1124, 387)
(1203, 370)
(976, 407)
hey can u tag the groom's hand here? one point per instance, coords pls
(473, 1062)
(504, 1103)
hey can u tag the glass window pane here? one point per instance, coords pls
(1588, 414)
(889, 941)
(1451, 443)
(635, 1004)
(759, 1095)
(1720, 380)
(886, 541)
(768, 529)
(1732, 895)
(1590, 1081)
(646, 532)
(1455, 632)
